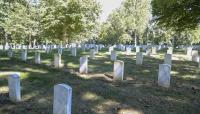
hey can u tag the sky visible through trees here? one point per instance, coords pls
(108, 6)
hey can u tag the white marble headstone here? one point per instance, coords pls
(189, 51)
(37, 57)
(123, 48)
(110, 49)
(154, 50)
(168, 59)
(92, 53)
(139, 58)
(96, 48)
(164, 75)
(57, 61)
(195, 55)
(148, 52)
(60, 50)
(118, 70)
(47, 49)
(10, 53)
(83, 47)
(128, 50)
(170, 50)
(83, 65)
(73, 50)
(199, 61)
(14, 87)
(62, 99)
(24, 55)
(113, 55)
(137, 49)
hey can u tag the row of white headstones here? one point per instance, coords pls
(118, 65)
(63, 92)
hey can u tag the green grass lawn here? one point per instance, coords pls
(97, 93)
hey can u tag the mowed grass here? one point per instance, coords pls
(96, 92)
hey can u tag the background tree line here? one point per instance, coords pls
(40, 21)
(173, 22)
(136, 22)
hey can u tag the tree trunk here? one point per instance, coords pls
(34, 43)
(5, 41)
(29, 40)
(135, 24)
(21, 46)
(65, 36)
(61, 44)
(135, 36)
(147, 38)
(46, 44)
(15, 46)
(66, 41)
(173, 41)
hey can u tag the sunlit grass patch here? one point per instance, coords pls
(3, 89)
(72, 65)
(90, 96)
(191, 76)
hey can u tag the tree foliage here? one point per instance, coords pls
(66, 19)
(179, 15)
(179, 19)
(130, 19)
(52, 20)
